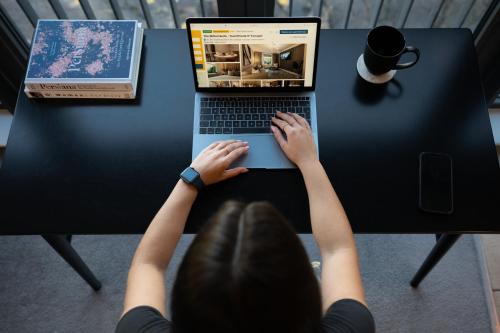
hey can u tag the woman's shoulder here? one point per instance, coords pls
(347, 315)
(143, 319)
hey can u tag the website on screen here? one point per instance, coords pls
(254, 55)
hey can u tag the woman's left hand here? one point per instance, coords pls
(213, 161)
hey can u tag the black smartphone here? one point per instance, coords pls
(436, 183)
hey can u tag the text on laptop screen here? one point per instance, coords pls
(254, 55)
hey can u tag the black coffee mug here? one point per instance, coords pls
(384, 47)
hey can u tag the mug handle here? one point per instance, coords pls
(409, 64)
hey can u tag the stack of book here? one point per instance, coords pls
(84, 59)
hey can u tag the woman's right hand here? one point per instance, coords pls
(213, 162)
(299, 144)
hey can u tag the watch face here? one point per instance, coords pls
(189, 174)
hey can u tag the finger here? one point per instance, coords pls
(283, 125)
(286, 117)
(212, 145)
(225, 143)
(301, 120)
(235, 154)
(229, 148)
(279, 137)
(233, 172)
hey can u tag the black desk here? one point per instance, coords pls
(94, 167)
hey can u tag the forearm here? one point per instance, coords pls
(330, 225)
(331, 229)
(334, 237)
(161, 237)
(145, 284)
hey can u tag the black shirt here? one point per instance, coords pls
(344, 316)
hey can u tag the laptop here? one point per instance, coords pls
(247, 69)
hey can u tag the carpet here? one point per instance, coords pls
(39, 292)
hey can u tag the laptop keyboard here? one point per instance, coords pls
(244, 115)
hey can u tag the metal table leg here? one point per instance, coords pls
(443, 244)
(62, 245)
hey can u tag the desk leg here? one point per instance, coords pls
(443, 244)
(67, 252)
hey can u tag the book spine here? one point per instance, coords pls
(123, 87)
(78, 94)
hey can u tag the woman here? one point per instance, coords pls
(246, 270)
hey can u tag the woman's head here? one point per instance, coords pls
(246, 271)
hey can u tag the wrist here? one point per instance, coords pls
(308, 165)
(187, 193)
(189, 188)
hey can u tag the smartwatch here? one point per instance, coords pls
(191, 176)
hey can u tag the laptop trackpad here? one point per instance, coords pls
(264, 151)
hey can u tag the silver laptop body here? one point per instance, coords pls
(264, 150)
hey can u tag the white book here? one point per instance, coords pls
(79, 94)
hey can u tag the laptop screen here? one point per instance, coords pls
(254, 55)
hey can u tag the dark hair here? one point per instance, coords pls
(246, 271)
